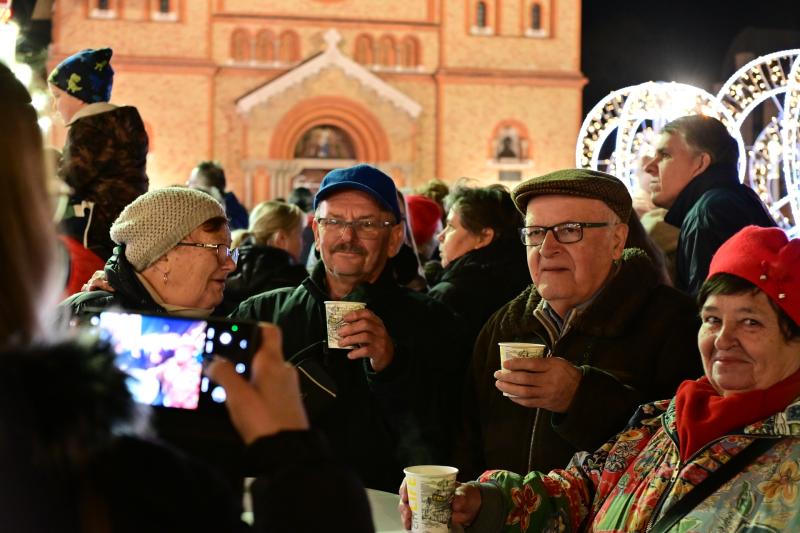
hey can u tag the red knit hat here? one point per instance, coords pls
(423, 215)
(766, 258)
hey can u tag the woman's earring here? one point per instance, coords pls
(166, 278)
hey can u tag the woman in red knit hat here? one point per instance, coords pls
(724, 454)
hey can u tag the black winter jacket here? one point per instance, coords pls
(379, 423)
(708, 211)
(261, 269)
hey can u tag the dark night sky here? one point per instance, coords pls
(626, 42)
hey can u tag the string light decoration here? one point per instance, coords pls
(634, 115)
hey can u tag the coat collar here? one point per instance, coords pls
(609, 313)
(317, 285)
(714, 177)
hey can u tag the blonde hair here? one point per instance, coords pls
(267, 219)
(30, 284)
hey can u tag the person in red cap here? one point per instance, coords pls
(722, 454)
(425, 217)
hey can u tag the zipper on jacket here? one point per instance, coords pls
(533, 434)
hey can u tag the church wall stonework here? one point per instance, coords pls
(438, 117)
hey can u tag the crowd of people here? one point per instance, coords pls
(666, 399)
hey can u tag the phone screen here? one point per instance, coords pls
(162, 355)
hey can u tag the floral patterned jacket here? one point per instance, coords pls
(629, 482)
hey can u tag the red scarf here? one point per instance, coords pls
(702, 415)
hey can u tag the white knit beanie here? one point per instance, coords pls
(155, 222)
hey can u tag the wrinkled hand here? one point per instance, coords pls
(98, 282)
(547, 383)
(365, 330)
(465, 506)
(271, 401)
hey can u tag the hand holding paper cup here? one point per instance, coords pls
(430, 493)
(335, 310)
(511, 350)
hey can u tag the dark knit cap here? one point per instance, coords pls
(581, 182)
(87, 75)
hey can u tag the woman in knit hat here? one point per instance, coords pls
(722, 455)
(173, 256)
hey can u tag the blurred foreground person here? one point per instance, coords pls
(72, 454)
(722, 455)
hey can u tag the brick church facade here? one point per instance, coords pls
(282, 91)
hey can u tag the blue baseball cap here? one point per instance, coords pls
(364, 178)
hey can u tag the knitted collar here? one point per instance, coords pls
(715, 176)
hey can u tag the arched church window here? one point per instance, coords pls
(536, 16)
(265, 46)
(510, 145)
(325, 142)
(480, 15)
(288, 47)
(240, 45)
(386, 51)
(409, 52)
(363, 50)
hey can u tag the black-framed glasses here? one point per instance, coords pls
(364, 229)
(565, 233)
(223, 250)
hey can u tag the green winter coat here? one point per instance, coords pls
(379, 423)
(634, 343)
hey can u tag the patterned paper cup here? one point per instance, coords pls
(511, 350)
(430, 493)
(335, 310)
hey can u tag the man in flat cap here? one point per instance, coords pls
(398, 380)
(616, 336)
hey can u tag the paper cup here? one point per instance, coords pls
(510, 350)
(430, 493)
(335, 310)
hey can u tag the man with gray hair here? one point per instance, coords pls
(695, 176)
(616, 336)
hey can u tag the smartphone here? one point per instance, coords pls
(163, 355)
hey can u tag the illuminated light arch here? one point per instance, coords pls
(761, 78)
(790, 136)
(662, 102)
(625, 111)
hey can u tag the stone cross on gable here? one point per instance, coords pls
(332, 38)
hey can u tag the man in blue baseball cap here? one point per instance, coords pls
(397, 382)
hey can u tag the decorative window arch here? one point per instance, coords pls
(325, 141)
(510, 143)
(387, 53)
(265, 46)
(363, 52)
(537, 19)
(288, 47)
(409, 52)
(481, 17)
(240, 45)
(103, 9)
